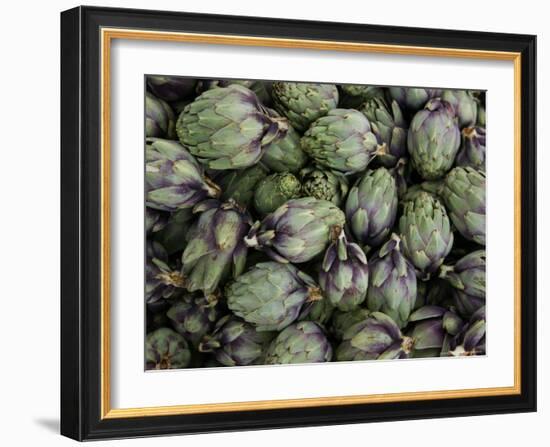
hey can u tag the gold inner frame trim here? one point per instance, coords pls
(107, 35)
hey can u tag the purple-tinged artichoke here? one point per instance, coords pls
(464, 106)
(155, 220)
(217, 248)
(275, 190)
(425, 232)
(342, 140)
(261, 88)
(324, 184)
(371, 207)
(467, 277)
(297, 231)
(302, 342)
(433, 329)
(464, 196)
(161, 280)
(193, 317)
(170, 88)
(341, 321)
(303, 103)
(471, 340)
(228, 128)
(412, 99)
(375, 338)
(472, 149)
(392, 287)
(318, 311)
(344, 274)
(240, 185)
(236, 343)
(166, 349)
(433, 139)
(285, 154)
(390, 128)
(160, 120)
(173, 178)
(270, 295)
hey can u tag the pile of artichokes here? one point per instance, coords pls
(297, 222)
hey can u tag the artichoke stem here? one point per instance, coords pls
(444, 270)
(213, 189)
(407, 344)
(251, 241)
(314, 294)
(175, 279)
(335, 232)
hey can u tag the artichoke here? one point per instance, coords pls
(275, 190)
(464, 196)
(392, 288)
(270, 295)
(412, 99)
(159, 118)
(433, 329)
(154, 220)
(217, 246)
(377, 337)
(318, 311)
(161, 281)
(297, 231)
(228, 128)
(464, 105)
(303, 103)
(324, 184)
(166, 349)
(302, 342)
(389, 127)
(174, 180)
(426, 233)
(261, 88)
(481, 119)
(341, 321)
(193, 317)
(353, 95)
(285, 154)
(371, 207)
(235, 342)
(433, 139)
(171, 88)
(175, 234)
(240, 185)
(344, 274)
(467, 277)
(342, 140)
(471, 340)
(472, 148)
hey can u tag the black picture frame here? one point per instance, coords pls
(81, 218)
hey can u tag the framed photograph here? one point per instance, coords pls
(272, 223)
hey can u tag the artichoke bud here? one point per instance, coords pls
(472, 149)
(285, 154)
(324, 184)
(240, 185)
(160, 120)
(275, 190)
(464, 106)
(166, 349)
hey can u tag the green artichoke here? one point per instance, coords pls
(236, 343)
(371, 207)
(193, 316)
(166, 349)
(412, 99)
(464, 105)
(240, 185)
(481, 119)
(425, 231)
(270, 295)
(464, 196)
(377, 337)
(302, 342)
(275, 190)
(472, 149)
(353, 95)
(228, 128)
(297, 231)
(392, 288)
(467, 277)
(261, 88)
(171, 88)
(341, 321)
(216, 248)
(159, 118)
(342, 140)
(285, 154)
(155, 220)
(433, 139)
(324, 184)
(303, 103)
(344, 274)
(318, 311)
(173, 178)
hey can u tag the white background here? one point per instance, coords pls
(131, 387)
(29, 328)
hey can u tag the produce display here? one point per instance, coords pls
(300, 223)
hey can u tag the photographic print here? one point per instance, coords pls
(291, 222)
